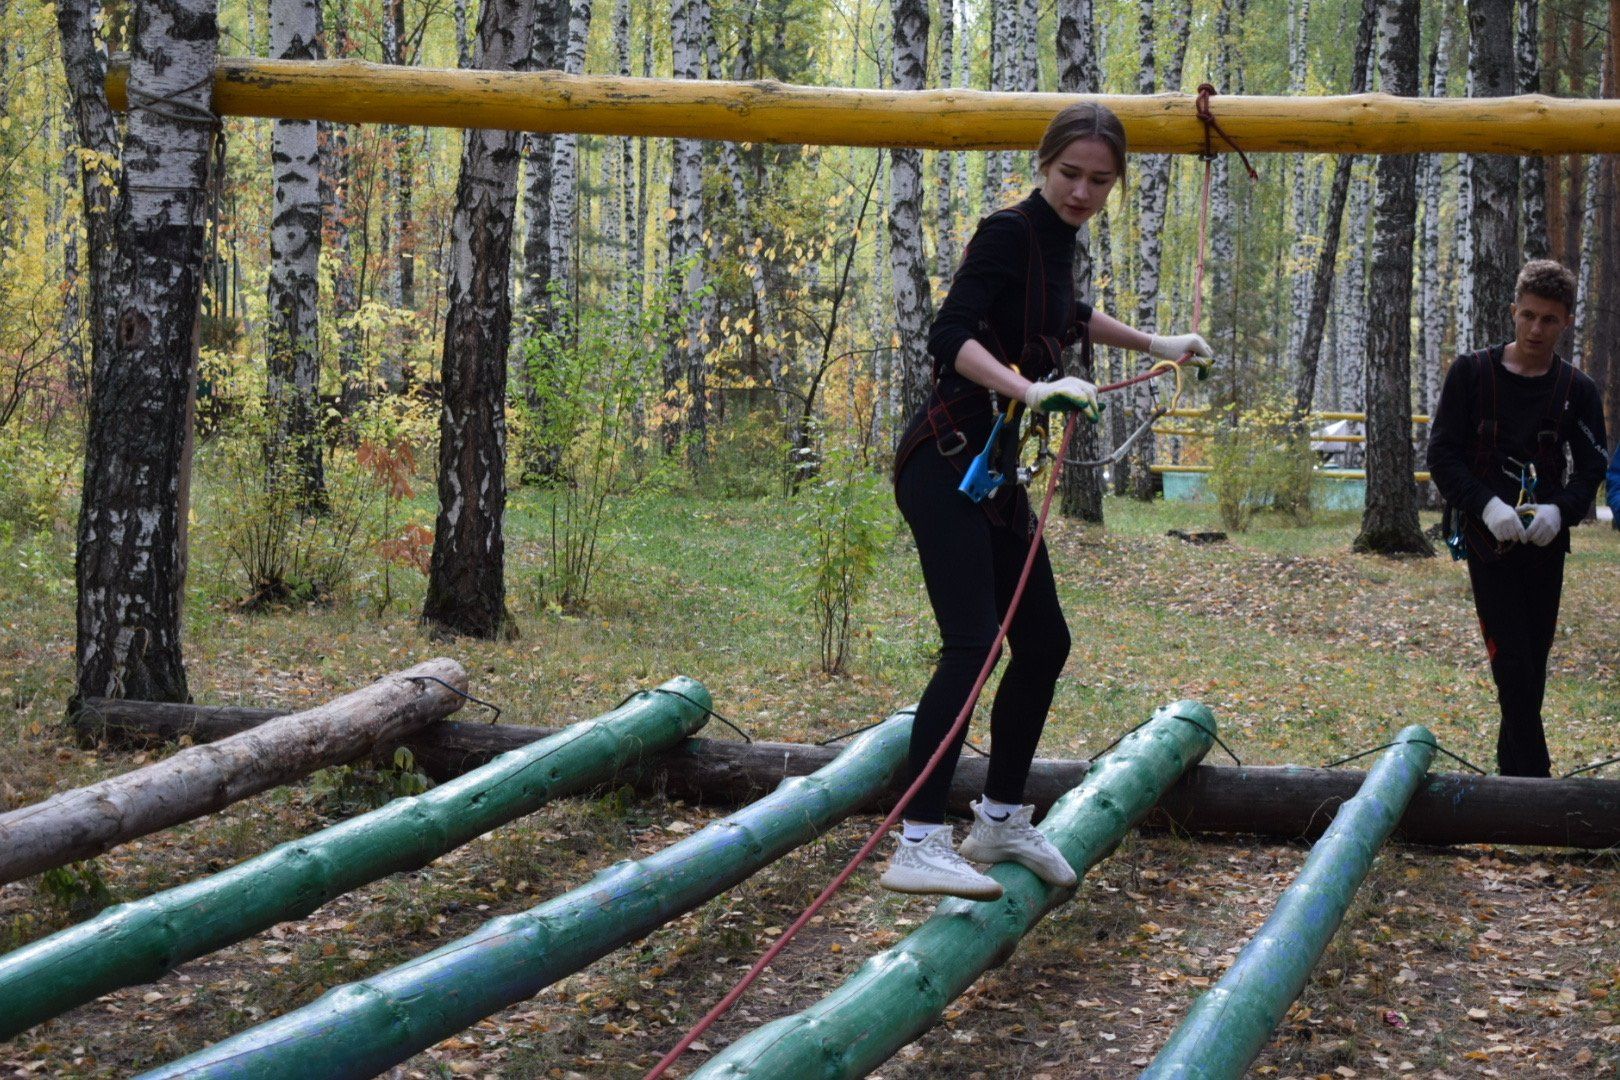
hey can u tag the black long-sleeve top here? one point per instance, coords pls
(987, 298)
(1524, 409)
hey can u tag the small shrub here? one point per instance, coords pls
(36, 475)
(586, 425)
(749, 457)
(847, 519)
(1259, 459)
(282, 552)
(77, 889)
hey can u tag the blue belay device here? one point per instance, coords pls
(981, 479)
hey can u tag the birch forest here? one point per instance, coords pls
(481, 310)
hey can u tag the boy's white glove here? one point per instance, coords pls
(1176, 346)
(1067, 394)
(1545, 526)
(1503, 521)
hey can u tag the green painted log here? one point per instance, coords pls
(361, 1029)
(1231, 1023)
(900, 993)
(140, 941)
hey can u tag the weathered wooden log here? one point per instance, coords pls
(199, 780)
(354, 91)
(118, 722)
(1286, 801)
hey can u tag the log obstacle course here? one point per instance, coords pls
(199, 780)
(900, 993)
(141, 941)
(362, 1029)
(1285, 802)
(504, 771)
(1230, 1024)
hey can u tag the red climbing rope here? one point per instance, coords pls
(945, 743)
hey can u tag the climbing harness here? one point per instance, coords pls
(1460, 529)
(994, 654)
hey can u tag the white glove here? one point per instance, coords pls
(1067, 394)
(1545, 527)
(1176, 346)
(1503, 521)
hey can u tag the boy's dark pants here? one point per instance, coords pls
(1517, 600)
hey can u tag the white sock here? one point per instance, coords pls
(997, 811)
(915, 832)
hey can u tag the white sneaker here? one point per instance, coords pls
(932, 867)
(1016, 840)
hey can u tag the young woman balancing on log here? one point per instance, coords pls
(997, 346)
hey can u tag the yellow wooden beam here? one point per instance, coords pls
(354, 91)
(1330, 474)
(1310, 418)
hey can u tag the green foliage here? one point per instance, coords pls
(77, 888)
(345, 791)
(847, 521)
(749, 457)
(584, 422)
(1260, 458)
(37, 472)
(281, 552)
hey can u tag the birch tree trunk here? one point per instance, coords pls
(292, 367)
(946, 163)
(72, 322)
(1108, 365)
(565, 163)
(96, 130)
(131, 565)
(1601, 363)
(1431, 313)
(1154, 188)
(1352, 356)
(1463, 245)
(1494, 178)
(1310, 346)
(1222, 305)
(1533, 167)
(1586, 275)
(466, 591)
(1082, 488)
(629, 208)
(998, 164)
(543, 457)
(337, 162)
(1299, 14)
(1029, 28)
(684, 361)
(1131, 472)
(405, 239)
(913, 302)
(1389, 524)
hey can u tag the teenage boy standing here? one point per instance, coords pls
(1507, 415)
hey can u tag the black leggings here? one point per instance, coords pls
(971, 567)
(1517, 598)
